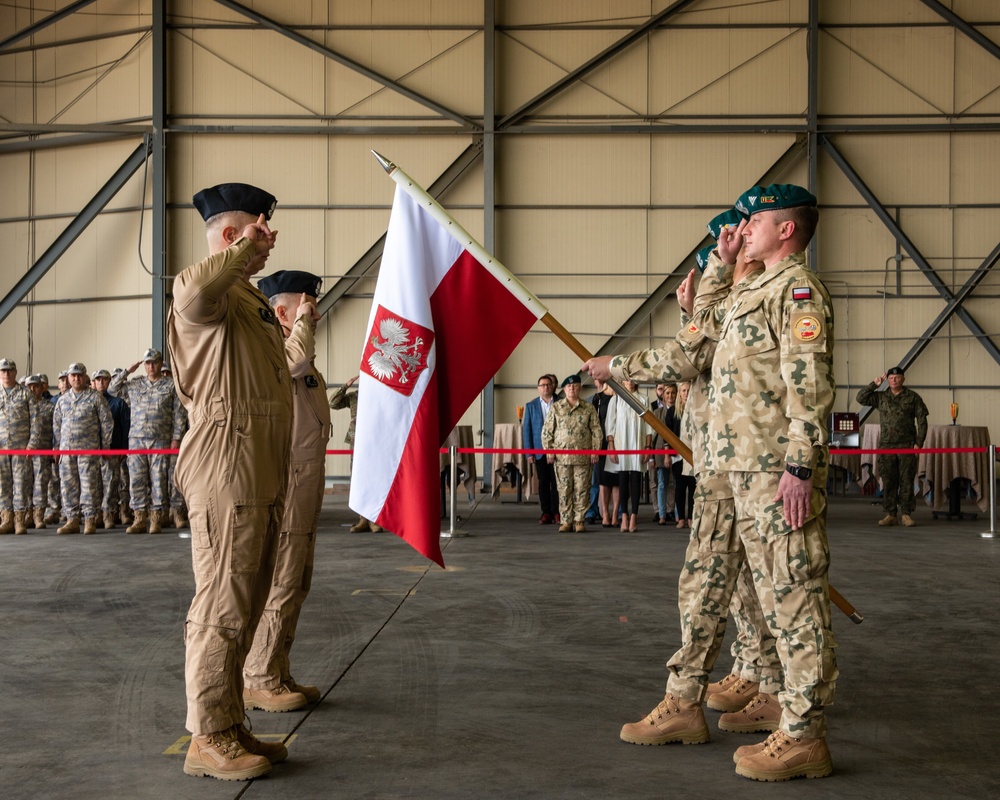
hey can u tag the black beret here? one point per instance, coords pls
(234, 197)
(894, 371)
(290, 280)
(574, 378)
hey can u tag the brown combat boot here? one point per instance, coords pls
(6, 522)
(361, 526)
(89, 525)
(221, 755)
(721, 686)
(673, 720)
(908, 521)
(180, 519)
(312, 693)
(29, 518)
(735, 697)
(139, 523)
(279, 699)
(109, 520)
(52, 517)
(887, 521)
(275, 752)
(783, 758)
(580, 527)
(20, 525)
(566, 527)
(125, 514)
(156, 522)
(763, 713)
(40, 519)
(72, 526)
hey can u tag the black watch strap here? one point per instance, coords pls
(802, 473)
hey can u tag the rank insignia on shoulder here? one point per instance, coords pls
(267, 315)
(802, 293)
(311, 382)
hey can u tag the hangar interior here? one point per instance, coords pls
(584, 143)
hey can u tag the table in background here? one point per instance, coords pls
(509, 467)
(848, 464)
(461, 437)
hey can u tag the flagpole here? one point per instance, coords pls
(533, 304)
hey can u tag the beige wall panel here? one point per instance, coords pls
(445, 66)
(977, 75)
(975, 168)
(673, 235)
(931, 231)
(975, 237)
(15, 198)
(105, 92)
(721, 12)
(710, 170)
(736, 78)
(586, 170)
(853, 247)
(859, 12)
(531, 12)
(412, 12)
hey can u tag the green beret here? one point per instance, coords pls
(773, 197)
(728, 217)
(702, 256)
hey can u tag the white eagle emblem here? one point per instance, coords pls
(394, 352)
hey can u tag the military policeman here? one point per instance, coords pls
(267, 677)
(17, 420)
(572, 425)
(231, 373)
(156, 424)
(41, 439)
(903, 418)
(81, 421)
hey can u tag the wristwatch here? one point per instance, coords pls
(802, 473)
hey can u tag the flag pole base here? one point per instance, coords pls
(454, 534)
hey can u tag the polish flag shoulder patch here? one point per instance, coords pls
(802, 293)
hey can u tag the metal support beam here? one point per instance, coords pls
(987, 44)
(43, 23)
(158, 334)
(627, 329)
(601, 58)
(73, 230)
(31, 145)
(489, 203)
(904, 241)
(333, 55)
(455, 170)
(812, 114)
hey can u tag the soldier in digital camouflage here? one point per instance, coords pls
(572, 425)
(17, 419)
(903, 419)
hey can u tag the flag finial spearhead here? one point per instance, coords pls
(387, 165)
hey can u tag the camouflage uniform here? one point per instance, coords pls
(715, 560)
(82, 421)
(572, 428)
(772, 390)
(345, 398)
(156, 421)
(903, 420)
(17, 422)
(178, 508)
(41, 439)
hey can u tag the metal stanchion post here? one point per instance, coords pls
(991, 470)
(452, 532)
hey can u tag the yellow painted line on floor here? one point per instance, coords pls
(180, 747)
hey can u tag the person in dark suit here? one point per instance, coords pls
(534, 417)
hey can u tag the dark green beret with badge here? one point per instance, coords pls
(702, 256)
(775, 197)
(729, 217)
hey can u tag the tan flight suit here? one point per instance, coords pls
(228, 356)
(267, 665)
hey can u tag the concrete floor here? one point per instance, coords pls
(506, 676)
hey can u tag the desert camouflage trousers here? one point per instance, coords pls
(897, 474)
(111, 480)
(15, 482)
(573, 485)
(148, 476)
(80, 479)
(740, 521)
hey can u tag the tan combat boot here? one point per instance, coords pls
(125, 514)
(52, 517)
(221, 755)
(155, 522)
(312, 693)
(735, 697)
(29, 518)
(279, 699)
(783, 758)
(109, 520)
(180, 519)
(89, 525)
(40, 519)
(673, 720)
(887, 521)
(275, 752)
(908, 521)
(580, 527)
(375, 528)
(721, 686)
(139, 523)
(6, 522)
(20, 525)
(566, 527)
(763, 713)
(72, 526)
(361, 526)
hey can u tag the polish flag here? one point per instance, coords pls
(444, 318)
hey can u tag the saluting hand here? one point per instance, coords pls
(878, 380)
(730, 242)
(261, 235)
(685, 294)
(307, 309)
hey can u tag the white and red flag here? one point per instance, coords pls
(445, 317)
